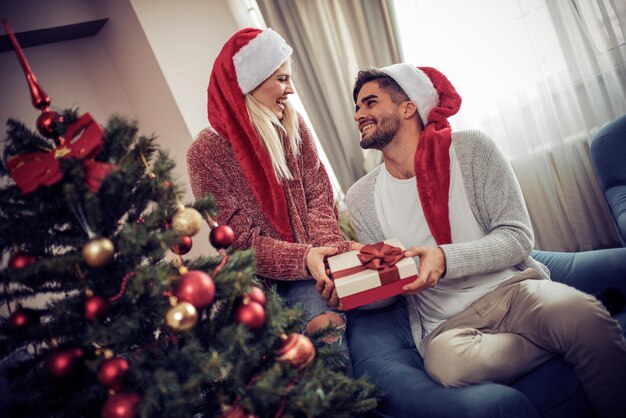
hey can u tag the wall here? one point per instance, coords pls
(73, 73)
(151, 61)
(185, 37)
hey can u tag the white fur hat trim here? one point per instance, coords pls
(416, 85)
(258, 59)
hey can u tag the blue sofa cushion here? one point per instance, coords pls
(552, 390)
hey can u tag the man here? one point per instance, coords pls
(481, 310)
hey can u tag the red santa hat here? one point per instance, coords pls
(436, 100)
(247, 59)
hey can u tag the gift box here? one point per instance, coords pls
(376, 272)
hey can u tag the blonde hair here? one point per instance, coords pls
(271, 131)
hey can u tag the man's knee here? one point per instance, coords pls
(575, 311)
(446, 362)
(325, 320)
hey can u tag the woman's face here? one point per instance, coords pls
(273, 92)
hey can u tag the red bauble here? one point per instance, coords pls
(121, 405)
(65, 363)
(257, 295)
(112, 373)
(23, 318)
(236, 411)
(183, 246)
(95, 307)
(47, 123)
(20, 260)
(221, 236)
(251, 314)
(197, 288)
(297, 350)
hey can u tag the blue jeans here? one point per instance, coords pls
(304, 293)
(382, 348)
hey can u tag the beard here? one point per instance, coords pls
(385, 131)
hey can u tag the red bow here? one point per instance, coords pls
(380, 256)
(83, 140)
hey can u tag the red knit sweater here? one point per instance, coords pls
(213, 168)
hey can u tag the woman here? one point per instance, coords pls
(259, 161)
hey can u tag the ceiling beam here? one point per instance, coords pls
(54, 34)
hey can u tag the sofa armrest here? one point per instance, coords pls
(616, 198)
(588, 271)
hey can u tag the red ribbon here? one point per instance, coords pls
(82, 140)
(381, 257)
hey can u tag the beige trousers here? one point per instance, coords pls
(521, 324)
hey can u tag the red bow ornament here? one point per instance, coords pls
(380, 256)
(82, 140)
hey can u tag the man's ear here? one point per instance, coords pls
(409, 109)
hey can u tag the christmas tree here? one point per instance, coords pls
(92, 222)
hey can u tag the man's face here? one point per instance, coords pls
(377, 116)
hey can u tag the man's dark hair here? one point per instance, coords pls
(385, 82)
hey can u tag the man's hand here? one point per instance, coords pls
(356, 246)
(432, 267)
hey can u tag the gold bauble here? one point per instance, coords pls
(181, 317)
(187, 221)
(98, 251)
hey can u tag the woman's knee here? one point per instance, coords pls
(326, 320)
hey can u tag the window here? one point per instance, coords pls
(495, 52)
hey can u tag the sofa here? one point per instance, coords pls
(608, 154)
(552, 390)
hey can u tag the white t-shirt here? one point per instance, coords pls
(400, 214)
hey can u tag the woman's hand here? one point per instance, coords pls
(315, 262)
(329, 294)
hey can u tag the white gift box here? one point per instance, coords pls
(358, 285)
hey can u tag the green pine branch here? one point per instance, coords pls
(196, 373)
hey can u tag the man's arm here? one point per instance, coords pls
(497, 197)
(495, 191)
(358, 199)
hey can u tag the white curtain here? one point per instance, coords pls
(332, 40)
(540, 77)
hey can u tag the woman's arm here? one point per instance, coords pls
(213, 169)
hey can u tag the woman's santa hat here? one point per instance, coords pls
(436, 100)
(247, 59)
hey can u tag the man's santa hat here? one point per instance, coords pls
(436, 100)
(247, 59)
